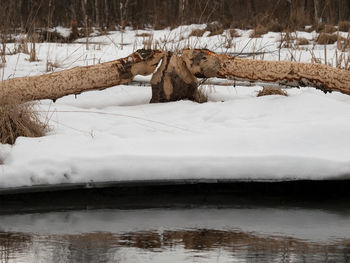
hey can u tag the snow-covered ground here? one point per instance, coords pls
(116, 135)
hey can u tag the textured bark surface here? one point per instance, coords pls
(176, 77)
(173, 81)
(80, 79)
(204, 63)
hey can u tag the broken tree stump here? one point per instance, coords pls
(206, 64)
(173, 81)
(77, 80)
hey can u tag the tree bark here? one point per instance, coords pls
(207, 64)
(77, 80)
(173, 81)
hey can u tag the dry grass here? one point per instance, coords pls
(215, 28)
(275, 26)
(52, 65)
(143, 35)
(344, 26)
(326, 39)
(197, 32)
(302, 41)
(259, 31)
(329, 29)
(233, 33)
(271, 91)
(19, 120)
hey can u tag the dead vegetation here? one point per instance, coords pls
(275, 26)
(344, 26)
(258, 31)
(214, 29)
(197, 33)
(233, 33)
(269, 90)
(302, 41)
(329, 29)
(19, 119)
(326, 39)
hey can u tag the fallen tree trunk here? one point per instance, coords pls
(80, 79)
(175, 78)
(206, 64)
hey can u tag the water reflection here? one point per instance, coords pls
(177, 235)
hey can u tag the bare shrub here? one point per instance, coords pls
(32, 53)
(302, 41)
(147, 41)
(326, 39)
(19, 119)
(286, 40)
(197, 32)
(268, 90)
(344, 26)
(329, 29)
(217, 32)
(215, 28)
(259, 31)
(319, 27)
(143, 35)
(22, 46)
(50, 36)
(275, 26)
(75, 32)
(343, 44)
(233, 33)
(52, 65)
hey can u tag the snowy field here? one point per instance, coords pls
(116, 135)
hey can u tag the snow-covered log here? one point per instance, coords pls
(80, 79)
(206, 64)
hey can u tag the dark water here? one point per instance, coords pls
(177, 235)
(177, 227)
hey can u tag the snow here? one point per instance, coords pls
(116, 135)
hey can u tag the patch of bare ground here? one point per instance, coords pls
(19, 120)
(271, 91)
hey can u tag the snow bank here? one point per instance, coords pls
(115, 135)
